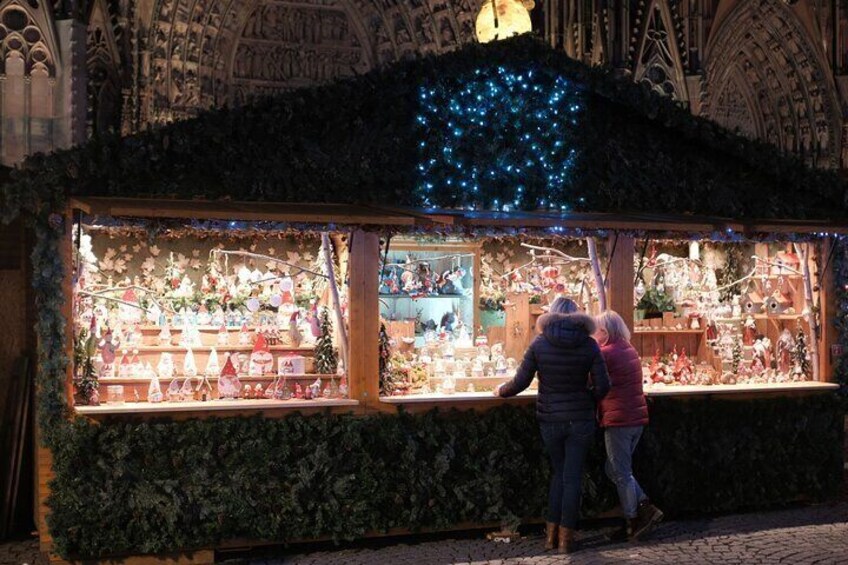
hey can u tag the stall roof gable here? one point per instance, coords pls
(353, 142)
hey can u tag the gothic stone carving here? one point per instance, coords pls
(762, 55)
(207, 53)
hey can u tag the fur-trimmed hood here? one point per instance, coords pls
(566, 330)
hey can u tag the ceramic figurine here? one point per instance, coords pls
(261, 359)
(154, 389)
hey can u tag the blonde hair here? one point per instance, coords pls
(614, 325)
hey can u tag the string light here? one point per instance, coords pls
(502, 138)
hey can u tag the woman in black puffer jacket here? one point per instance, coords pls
(572, 379)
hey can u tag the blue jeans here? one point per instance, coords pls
(621, 443)
(567, 444)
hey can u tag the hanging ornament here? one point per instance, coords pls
(275, 301)
(253, 304)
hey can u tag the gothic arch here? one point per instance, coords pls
(207, 53)
(659, 53)
(29, 62)
(765, 77)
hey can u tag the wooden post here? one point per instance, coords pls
(827, 301)
(596, 272)
(326, 247)
(364, 318)
(803, 251)
(621, 274)
(518, 329)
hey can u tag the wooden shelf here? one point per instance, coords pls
(683, 390)
(456, 397)
(157, 329)
(398, 296)
(106, 381)
(212, 405)
(202, 348)
(664, 331)
(665, 390)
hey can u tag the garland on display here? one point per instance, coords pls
(154, 487)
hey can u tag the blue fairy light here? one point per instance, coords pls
(499, 138)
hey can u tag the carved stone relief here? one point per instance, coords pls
(762, 55)
(104, 65)
(205, 53)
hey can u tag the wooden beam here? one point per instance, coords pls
(621, 275)
(826, 280)
(364, 319)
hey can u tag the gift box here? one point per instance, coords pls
(291, 364)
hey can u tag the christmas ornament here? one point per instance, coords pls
(261, 359)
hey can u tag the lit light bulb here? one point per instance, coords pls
(499, 19)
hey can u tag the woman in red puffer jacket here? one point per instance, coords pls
(623, 414)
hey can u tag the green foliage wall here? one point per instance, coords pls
(139, 487)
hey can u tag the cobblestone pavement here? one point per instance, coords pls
(815, 534)
(801, 536)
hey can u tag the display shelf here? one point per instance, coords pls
(207, 348)
(397, 296)
(682, 390)
(105, 381)
(179, 328)
(456, 397)
(638, 330)
(669, 390)
(211, 405)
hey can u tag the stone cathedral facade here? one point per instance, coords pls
(773, 69)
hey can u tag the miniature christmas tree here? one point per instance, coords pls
(801, 355)
(326, 357)
(737, 355)
(85, 381)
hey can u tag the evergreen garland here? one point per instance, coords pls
(732, 271)
(388, 378)
(326, 355)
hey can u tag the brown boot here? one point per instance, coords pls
(551, 529)
(648, 517)
(566, 540)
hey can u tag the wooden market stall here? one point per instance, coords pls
(220, 373)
